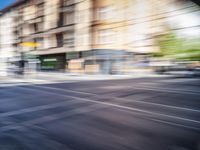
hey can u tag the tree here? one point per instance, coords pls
(179, 47)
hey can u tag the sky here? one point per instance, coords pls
(4, 3)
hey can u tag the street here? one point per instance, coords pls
(154, 113)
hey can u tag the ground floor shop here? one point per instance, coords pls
(53, 62)
(97, 61)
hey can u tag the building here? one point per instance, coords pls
(85, 36)
(7, 40)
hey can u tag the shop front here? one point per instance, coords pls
(53, 62)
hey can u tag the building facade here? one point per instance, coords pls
(7, 41)
(84, 36)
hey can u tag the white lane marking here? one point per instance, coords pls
(12, 84)
(38, 108)
(173, 123)
(136, 109)
(169, 106)
(76, 111)
(126, 108)
(52, 117)
(167, 90)
(79, 111)
(138, 101)
(122, 107)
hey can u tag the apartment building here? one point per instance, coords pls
(89, 36)
(7, 40)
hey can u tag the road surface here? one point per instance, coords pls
(126, 114)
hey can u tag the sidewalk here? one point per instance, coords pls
(52, 77)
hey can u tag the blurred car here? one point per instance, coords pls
(181, 69)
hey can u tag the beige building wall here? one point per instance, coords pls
(49, 41)
(7, 39)
(148, 21)
(129, 24)
(83, 17)
(29, 12)
(103, 24)
(51, 9)
(109, 24)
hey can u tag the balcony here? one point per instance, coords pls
(50, 51)
(69, 43)
(35, 20)
(60, 29)
(68, 2)
(67, 8)
(39, 1)
(16, 41)
(59, 39)
(40, 13)
(49, 32)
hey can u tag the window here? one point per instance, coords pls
(29, 12)
(50, 41)
(40, 42)
(80, 16)
(38, 27)
(40, 9)
(68, 18)
(28, 29)
(105, 13)
(105, 36)
(69, 39)
(59, 38)
(73, 55)
(69, 42)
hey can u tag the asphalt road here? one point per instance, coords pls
(131, 114)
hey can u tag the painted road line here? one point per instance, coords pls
(73, 112)
(38, 108)
(111, 97)
(130, 108)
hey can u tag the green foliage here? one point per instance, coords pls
(181, 48)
